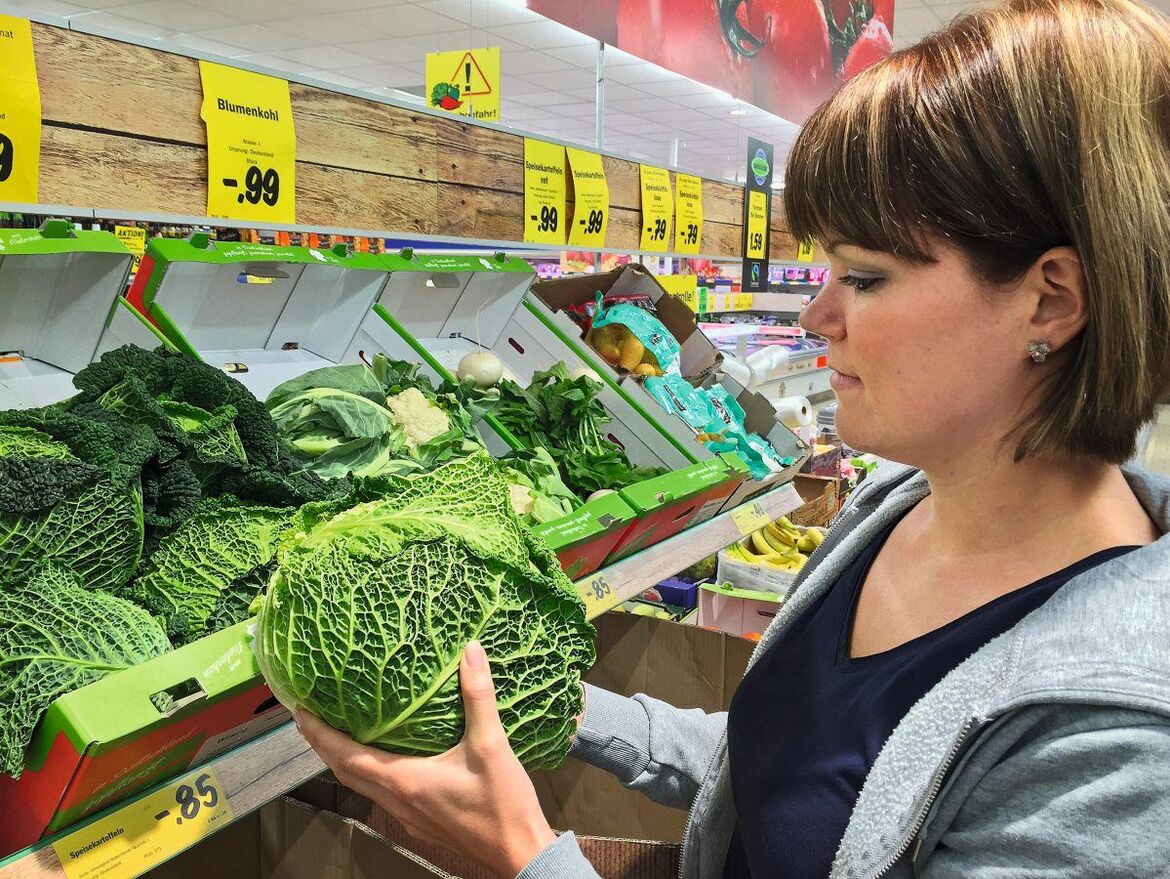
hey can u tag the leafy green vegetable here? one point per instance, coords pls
(56, 638)
(204, 574)
(212, 436)
(65, 497)
(562, 414)
(356, 420)
(535, 487)
(370, 608)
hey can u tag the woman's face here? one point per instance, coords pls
(930, 366)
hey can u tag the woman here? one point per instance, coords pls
(972, 679)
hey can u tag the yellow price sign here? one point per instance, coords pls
(20, 112)
(688, 215)
(657, 208)
(134, 240)
(757, 231)
(465, 82)
(749, 517)
(251, 145)
(686, 287)
(742, 302)
(597, 593)
(544, 192)
(805, 252)
(146, 832)
(590, 199)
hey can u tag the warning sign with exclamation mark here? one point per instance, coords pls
(465, 82)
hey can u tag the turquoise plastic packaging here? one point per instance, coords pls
(678, 396)
(649, 330)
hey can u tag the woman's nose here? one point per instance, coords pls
(823, 315)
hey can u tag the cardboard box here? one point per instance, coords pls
(105, 742)
(736, 611)
(821, 500)
(438, 309)
(60, 309)
(825, 461)
(291, 840)
(277, 311)
(699, 363)
(334, 832)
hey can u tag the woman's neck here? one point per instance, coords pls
(1040, 504)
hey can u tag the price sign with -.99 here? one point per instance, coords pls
(251, 145)
(545, 191)
(590, 199)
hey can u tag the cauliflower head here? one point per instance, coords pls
(418, 416)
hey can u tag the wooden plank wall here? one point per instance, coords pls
(122, 132)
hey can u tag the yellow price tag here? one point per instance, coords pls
(749, 517)
(146, 832)
(465, 82)
(688, 216)
(657, 208)
(742, 302)
(134, 239)
(757, 230)
(590, 197)
(20, 112)
(805, 252)
(598, 595)
(544, 192)
(251, 145)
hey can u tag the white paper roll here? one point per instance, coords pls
(769, 363)
(738, 370)
(793, 412)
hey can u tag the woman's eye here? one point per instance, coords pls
(860, 283)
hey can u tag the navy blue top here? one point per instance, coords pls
(807, 722)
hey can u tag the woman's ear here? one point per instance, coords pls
(1056, 284)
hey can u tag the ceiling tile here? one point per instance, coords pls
(483, 13)
(108, 22)
(387, 75)
(93, 4)
(254, 37)
(545, 34)
(59, 8)
(210, 47)
(915, 21)
(167, 14)
(338, 28)
(234, 12)
(531, 62)
(633, 74)
(584, 55)
(388, 50)
(325, 57)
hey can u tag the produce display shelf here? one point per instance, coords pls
(141, 833)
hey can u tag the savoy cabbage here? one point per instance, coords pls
(56, 638)
(370, 607)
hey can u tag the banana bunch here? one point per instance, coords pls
(778, 544)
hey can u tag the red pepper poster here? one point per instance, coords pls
(784, 56)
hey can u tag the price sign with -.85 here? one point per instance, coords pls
(251, 145)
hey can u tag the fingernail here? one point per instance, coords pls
(476, 658)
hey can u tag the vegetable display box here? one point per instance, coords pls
(265, 313)
(545, 318)
(107, 741)
(60, 308)
(441, 308)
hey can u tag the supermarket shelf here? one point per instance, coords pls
(621, 581)
(265, 768)
(248, 777)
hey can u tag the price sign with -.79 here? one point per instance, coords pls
(251, 145)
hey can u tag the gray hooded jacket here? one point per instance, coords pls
(1045, 754)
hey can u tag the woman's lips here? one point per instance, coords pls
(841, 381)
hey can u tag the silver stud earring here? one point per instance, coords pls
(1039, 350)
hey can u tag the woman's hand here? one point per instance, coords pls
(475, 799)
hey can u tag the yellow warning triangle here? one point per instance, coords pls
(470, 78)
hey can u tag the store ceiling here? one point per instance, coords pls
(549, 70)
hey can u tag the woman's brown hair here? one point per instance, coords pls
(1026, 126)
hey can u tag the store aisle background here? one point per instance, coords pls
(1158, 451)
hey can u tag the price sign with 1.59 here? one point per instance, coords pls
(757, 230)
(146, 832)
(590, 199)
(544, 192)
(251, 145)
(598, 594)
(688, 219)
(20, 112)
(657, 208)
